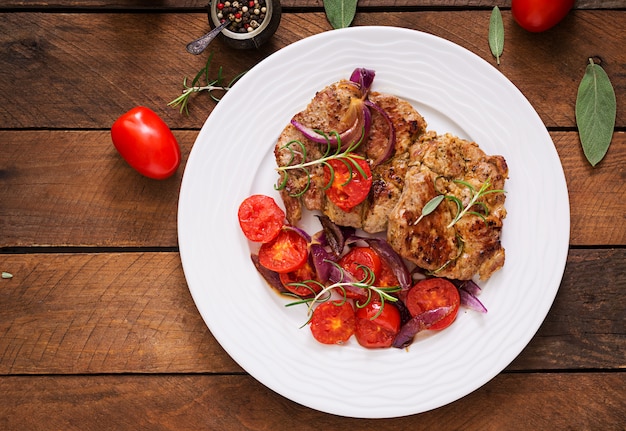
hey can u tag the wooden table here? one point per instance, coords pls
(97, 327)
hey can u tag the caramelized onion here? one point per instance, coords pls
(422, 321)
(391, 141)
(359, 129)
(272, 278)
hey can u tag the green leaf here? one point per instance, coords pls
(496, 33)
(595, 112)
(340, 13)
(432, 205)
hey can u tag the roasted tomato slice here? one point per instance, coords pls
(354, 261)
(260, 218)
(348, 187)
(333, 322)
(434, 293)
(374, 330)
(285, 253)
(301, 282)
(386, 277)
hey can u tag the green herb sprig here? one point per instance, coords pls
(325, 292)
(595, 112)
(202, 82)
(297, 148)
(432, 204)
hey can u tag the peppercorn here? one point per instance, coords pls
(244, 17)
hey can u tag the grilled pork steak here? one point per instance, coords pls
(472, 246)
(422, 166)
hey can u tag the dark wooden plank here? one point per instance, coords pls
(76, 78)
(198, 4)
(589, 401)
(98, 313)
(132, 312)
(71, 188)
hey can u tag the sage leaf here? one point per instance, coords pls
(340, 13)
(432, 205)
(595, 112)
(496, 33)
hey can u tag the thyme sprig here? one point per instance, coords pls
(202, 82)
(297, 148)
(432, 204)
(325, 292)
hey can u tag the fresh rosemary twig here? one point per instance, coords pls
(347, 156)
(200, 83)
(432, 204)
(325, 293)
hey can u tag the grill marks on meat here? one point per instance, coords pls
(423, 166)
(472, 246)
(325, 112)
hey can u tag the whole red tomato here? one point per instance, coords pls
(540, 15)
(144, 140)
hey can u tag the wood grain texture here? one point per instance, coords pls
(77, 78)
(83, 194)
(199, 4)
(133, 311)
(200, 402)
(98, 329)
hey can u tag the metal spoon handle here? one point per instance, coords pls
(197, 46)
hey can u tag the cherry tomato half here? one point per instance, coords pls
(333, 322)
(377, 331)
(260, 218)
(433, 293)
(144, 140)
(285, 253)
(353, 262)
(540, 15)
(303, 275)
(349, 188)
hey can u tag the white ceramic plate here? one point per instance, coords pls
(455, 91)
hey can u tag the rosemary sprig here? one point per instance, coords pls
(297, 148)
(325, 292)
(200, 83)
(432, 204)
(473, 201)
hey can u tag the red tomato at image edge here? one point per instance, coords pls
(540, 15)
(146, 143)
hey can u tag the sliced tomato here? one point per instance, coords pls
(260, 218)
(386, 277)
(333, 322)
(349, 187)
(434, 293)
(354, 261)
(302, 281)
(377, 328)
(285, 253)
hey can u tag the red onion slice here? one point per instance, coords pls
(391, 141)
(363, 77)
(357, 131)
(272, 278)
(394, 260)
(417, 324)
